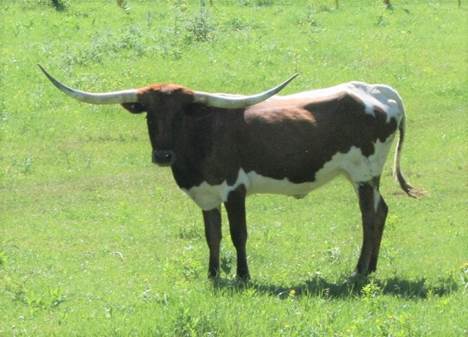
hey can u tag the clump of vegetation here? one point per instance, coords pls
(388, 4)
(124, 5)
(186, 324)
(201, 27)
(3, 258)
(259, 3)
(60, 5)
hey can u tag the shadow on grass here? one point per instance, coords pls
(344, 288)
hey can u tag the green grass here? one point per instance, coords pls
(96, 241)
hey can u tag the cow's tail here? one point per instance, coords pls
(404, 184)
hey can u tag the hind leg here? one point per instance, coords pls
(380, 217)
(373, 212)
(235, 207)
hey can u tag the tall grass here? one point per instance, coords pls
(95, 241)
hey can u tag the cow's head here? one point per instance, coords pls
(165, 106)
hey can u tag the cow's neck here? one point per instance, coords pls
(194, 147)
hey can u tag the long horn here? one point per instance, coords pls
(236, 102)
(113, 97)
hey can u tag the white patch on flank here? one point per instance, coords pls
(382, 96)
(356, 167)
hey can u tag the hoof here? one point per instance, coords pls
(243, 278)
(357, 277)
(213, 276)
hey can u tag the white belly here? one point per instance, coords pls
(211, 196)
(356, 166)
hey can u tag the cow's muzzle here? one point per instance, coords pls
(163, 157)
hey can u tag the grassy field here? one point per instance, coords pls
(97, 241)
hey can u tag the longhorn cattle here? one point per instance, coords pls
(222, 148)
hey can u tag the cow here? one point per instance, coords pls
(223, 147)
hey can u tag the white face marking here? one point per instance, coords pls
(356, 166)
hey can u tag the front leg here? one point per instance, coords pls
(212, 221)
(235, 207)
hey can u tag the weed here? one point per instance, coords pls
(464, 275)
(149, 16)
(179, 10)
(3, 258)
(334, 254)
(60, 5)
(237, 24)
(124, 5)
(35, 300)
(188, 325)
(200, 28)
(226, 263)
(26, 165)
(107, 45)
(371, 290)
(191, 269)
(263, 2)
(189, 233)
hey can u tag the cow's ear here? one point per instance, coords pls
(134, 108)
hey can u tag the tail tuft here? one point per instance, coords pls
(412, 191)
